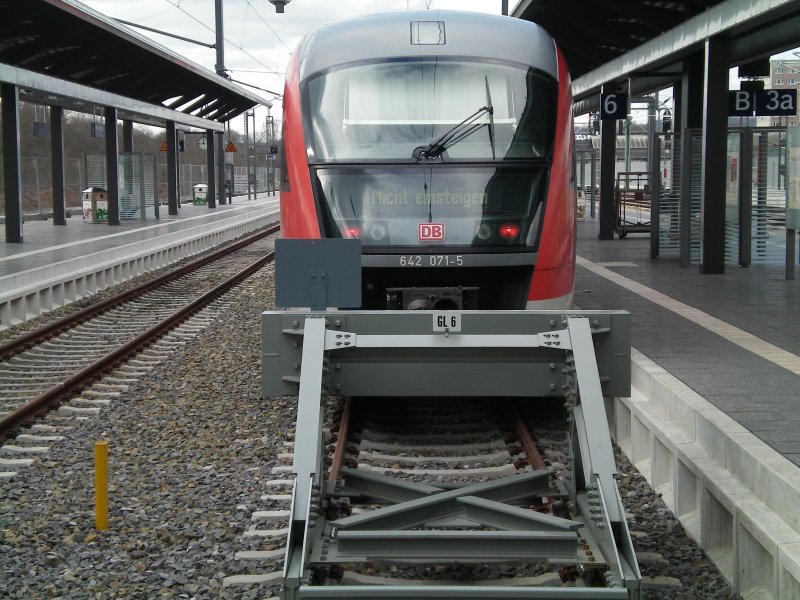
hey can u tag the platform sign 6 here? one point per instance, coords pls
(763, 103)
(613, 106)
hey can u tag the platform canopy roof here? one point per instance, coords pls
(593, 32)
(611, 41)
(66, 41)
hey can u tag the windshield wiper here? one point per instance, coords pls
(457, 133)
(491, 116)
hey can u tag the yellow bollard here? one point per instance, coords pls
(101, 485)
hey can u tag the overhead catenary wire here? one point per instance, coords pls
(256, 87)
(211, 29)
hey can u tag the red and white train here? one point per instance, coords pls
(444, 142)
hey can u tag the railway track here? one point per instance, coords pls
(445, 485)
(449, 444)
(446, 444)
(42, 368)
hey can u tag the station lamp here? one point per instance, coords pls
(279, 4)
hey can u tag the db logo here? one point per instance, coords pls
(431, 231)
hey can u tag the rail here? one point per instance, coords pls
(401, 353)
(52, 396)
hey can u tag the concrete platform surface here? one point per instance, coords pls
(56, 265)
(712, 421)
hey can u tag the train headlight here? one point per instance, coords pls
(378, 232)
(484, 231)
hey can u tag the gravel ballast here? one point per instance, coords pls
(192, 446)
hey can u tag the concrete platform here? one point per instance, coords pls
(713, 420)
(56, 265)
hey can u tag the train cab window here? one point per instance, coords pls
(476, 207)
(384, 111)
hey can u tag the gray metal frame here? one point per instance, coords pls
(396, 353)
(73, 96)
(741, 16)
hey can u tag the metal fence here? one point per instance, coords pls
(138, 182)
(80, 173)
(191, 175)
(37, 186)
(755, 197)
(755, 194)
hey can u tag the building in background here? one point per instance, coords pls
(784, 75)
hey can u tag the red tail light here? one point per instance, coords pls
(508, 231)
(352, 232)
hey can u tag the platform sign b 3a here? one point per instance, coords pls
(793, 178)
(762, 103)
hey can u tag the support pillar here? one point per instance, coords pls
(690, 108)
(221, 168)
(127, 136)
(689, 116)
(211, 195)
(57, 164)
(746, 198)
(593, 178)
(172, 169)
(112, 164)
(608, 159)
(12, 179)
(676, 141)
(715, 148)
(653, 167)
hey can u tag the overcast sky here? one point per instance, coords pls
(258, 40)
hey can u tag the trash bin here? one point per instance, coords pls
(200, 193)
(95, 205)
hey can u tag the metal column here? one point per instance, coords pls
(127, 136)
(593, 186)
(219, 67)
(211, 194)
(608, 159)
(129, 193)
(689, 114)
(715, 131)
(690, 111)
(221, 169)
(57, 164)
(12, 180)
(172, 169)
(746, 199)
(686, 197)
(250, 152)
(653, 152)
(112, 165)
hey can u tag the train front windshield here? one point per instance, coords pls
(431, 152)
